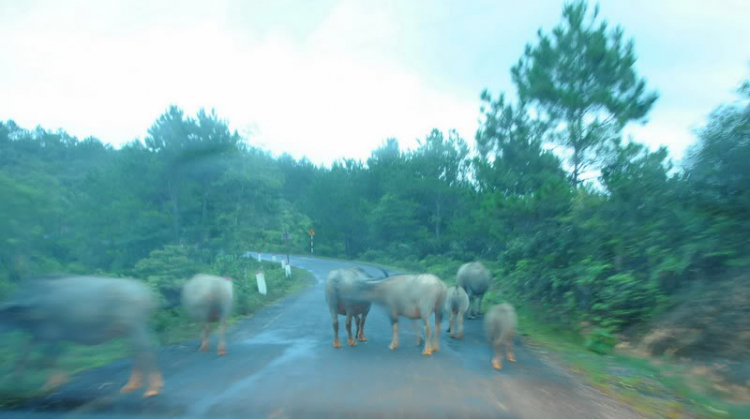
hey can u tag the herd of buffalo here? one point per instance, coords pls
(91, 310)
(351, 291)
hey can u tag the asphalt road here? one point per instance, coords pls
(281, 364)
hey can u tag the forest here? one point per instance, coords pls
(572, 216)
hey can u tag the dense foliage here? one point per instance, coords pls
(608, 249)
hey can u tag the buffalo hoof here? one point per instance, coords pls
(511, 358)
(150, 393)
(427, 351)
(55, 381)
(222, 350)
(336, 343)
(460, 336)
(135, 382)
(496, 364)
(351, 342)
(393, 346)
(362, 338)
(204, 347)
(155, 385)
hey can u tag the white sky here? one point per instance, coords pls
(335, 78)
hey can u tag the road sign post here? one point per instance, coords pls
(312, 234)
(286, 236)
(260, 279)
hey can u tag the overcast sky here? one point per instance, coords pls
(334, 78)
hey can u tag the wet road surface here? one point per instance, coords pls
(281, 364)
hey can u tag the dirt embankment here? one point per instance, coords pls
(709, 326)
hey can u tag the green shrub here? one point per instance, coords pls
(600, 341)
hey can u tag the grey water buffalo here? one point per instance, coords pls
(411, 296)
(208, 299)
(474, 278)
(339, 282)
(456, 303)
(500, 326)
(86, 310)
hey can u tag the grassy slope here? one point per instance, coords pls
(76, 358)
(657, 387)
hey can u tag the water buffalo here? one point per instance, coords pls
(87, 310)
(412, 296)
(208, 299)
(341, 281)
(500, 326)
(474, 278)
(456, 303)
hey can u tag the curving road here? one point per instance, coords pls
(281, 364)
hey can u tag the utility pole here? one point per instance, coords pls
(312, 234)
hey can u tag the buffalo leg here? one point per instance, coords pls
(143, 362)
(479, 305)
(497, 360)
(427, 334)
(136, 375)
(460, 326)
(205, 336)
(335, 323)
(394, 326)
(362, 328)
(143, 350)
(509, 351)
(349, 340)
(451, 325)
(221, 333)
(51, 358)
(438, 322)
(470, 311)
(155, 383)
(418, 332)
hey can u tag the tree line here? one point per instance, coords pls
(571, 216)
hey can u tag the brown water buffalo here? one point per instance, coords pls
(474, 278)
(208, 299)
(341, 281)
(456, 303)
(87, 310)
(411, 296)
(500, 326)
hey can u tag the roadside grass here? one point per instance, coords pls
(170, 326)
(656, 387)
